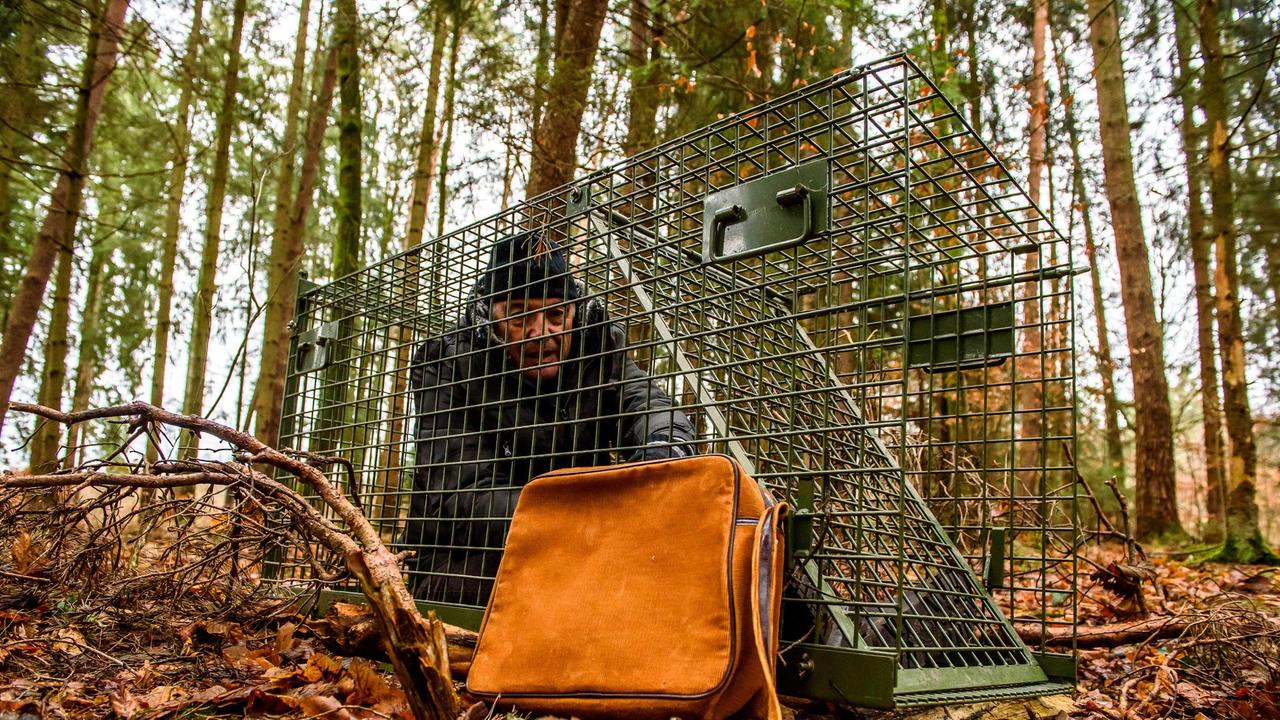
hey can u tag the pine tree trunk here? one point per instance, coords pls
(541, 70)
(202, 313)
(346, 37)
(44, 445)
(425, 167)
(173, 216)
(15, 98)
(645, 53)
(973, 83)
(269, 395)
(1244, 541)
(1106, 364)
(1031, 373)
(87, 362)
(446, 142)
(1215, 489)
(335, 413)
(555, 142)
(64, 206)
(1157, 508)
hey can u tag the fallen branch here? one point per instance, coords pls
(1106, 636)
(417, 648)
(351, 629)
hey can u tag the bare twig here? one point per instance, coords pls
(417, 648)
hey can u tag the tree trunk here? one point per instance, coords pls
(1157, 508)
(335, 415)
(64, 205)
(973, 83)
(645, 54)
(1106, 364)
(202, 313)
(446, 142)
(1215, 490)
(269, 395)
(541, 70)
(346, 37)
(173, 216)
(555, 142)
(16, 97)
(87, 362)
(269, 389)
(44, 445)
(425, 167)
(1244, 541)
(1031, 372)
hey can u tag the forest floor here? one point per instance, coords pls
(1206, 644)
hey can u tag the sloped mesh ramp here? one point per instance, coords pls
(843, 289)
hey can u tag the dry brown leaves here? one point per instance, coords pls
(218, 667)
(1226, 664)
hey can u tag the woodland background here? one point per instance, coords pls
(168, 168)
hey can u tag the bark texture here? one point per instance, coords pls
(1210, 406)
(45, 443)
(446, 140)
(555, 140)
(269, 394)
(1106, 363)
(1157, 509)
(1031, 373)
(64, 205)
(645, 55)
(87, 354)
(202, 313)
(428, 146)
(1244, 542)
(16, 97)
(346, 38)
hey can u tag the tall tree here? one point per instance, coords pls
(282, 267)
(346, 37)
(447, 119)
(173, 214)
(16, 97)
(202, 313)
(428, 147)
(1211, 409)
(269, 394)
(1244, 541)
(64, 205)
(1157, 507)
(1106, 364)
(645, 60)
(89, 332)
(555, 141)
(44, 445)
(1031, 398)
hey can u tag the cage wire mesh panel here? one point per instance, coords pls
(843, 289)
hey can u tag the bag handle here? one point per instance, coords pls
(766, 574)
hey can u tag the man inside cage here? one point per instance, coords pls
(532, 378)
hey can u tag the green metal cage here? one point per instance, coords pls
(844, 290)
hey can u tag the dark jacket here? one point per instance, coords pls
(484, 430)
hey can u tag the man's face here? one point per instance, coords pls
(536, 333)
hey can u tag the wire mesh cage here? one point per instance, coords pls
(843, 289)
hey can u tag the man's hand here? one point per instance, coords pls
(659, 448)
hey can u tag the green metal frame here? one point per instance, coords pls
(849, 294)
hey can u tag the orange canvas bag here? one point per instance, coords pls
(647, 590)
